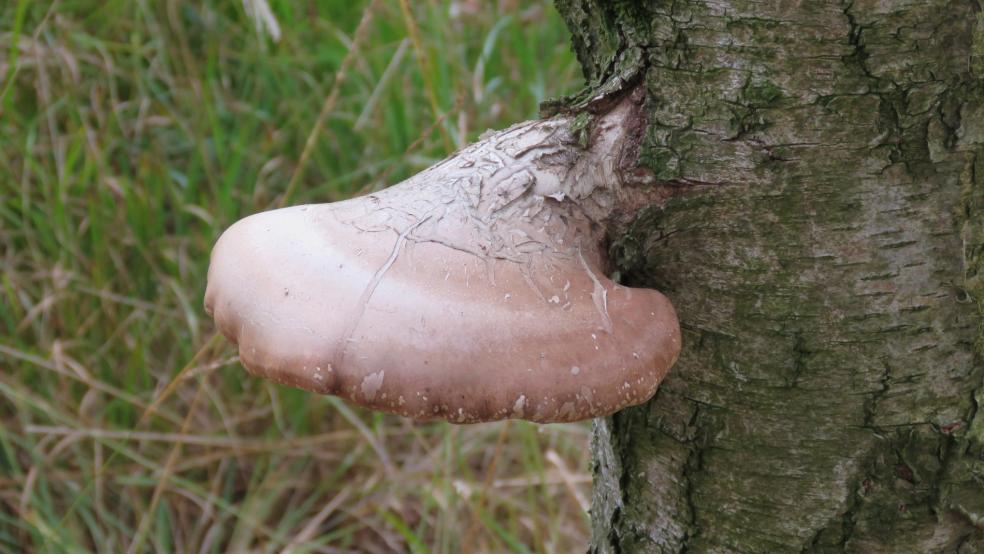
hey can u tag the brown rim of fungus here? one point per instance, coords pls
(474, 291)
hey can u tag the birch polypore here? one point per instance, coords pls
(476, 290)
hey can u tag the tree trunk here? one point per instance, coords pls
(824, 250)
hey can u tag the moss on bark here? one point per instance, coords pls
(825, 253)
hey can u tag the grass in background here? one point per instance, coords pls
(131, 134)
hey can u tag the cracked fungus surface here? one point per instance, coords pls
(474, 291)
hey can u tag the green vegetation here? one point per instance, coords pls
(131, 135)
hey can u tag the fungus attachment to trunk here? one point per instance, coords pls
(476, 290)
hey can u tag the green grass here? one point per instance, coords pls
(131, 134)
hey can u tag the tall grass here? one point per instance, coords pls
(131, 134)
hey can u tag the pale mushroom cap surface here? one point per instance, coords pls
(471, 292)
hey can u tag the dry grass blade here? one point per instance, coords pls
(412, 147)
(309, 530)
(87, 379)
(336, 87)
(172, 458)
(489, 476)
(370, 437)
(570, 479)
(425, 67)
(215, 441)
(185, 371)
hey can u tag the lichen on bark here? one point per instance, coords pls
(825, 252)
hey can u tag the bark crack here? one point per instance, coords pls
(855, 39)
(693, 466)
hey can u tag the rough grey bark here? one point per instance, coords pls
(824, 250)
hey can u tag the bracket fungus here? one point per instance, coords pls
(474, 291)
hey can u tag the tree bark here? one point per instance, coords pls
(824, 249)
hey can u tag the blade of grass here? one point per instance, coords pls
(144, 527)
(487, 484)
(336, 87)
(423, 60)
(14, 52)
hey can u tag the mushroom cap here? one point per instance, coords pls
(425, 301)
